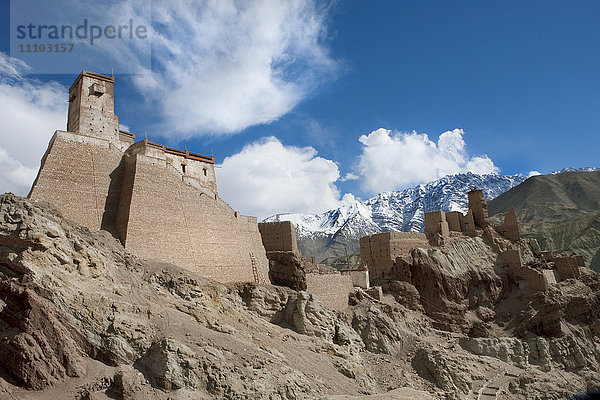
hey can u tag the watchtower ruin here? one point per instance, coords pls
(160, 202)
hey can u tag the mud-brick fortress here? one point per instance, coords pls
(160, 202)
(387, 254)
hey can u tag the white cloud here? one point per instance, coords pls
(14, 176)
(533, 173)
(349, 177)
(31, 111)
(391, 161)
(221, 66)
(267, 177)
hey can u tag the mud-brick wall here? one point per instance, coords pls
(81, 176)
(331, 289)
(378, 252)
(164, 218)
(278, 236)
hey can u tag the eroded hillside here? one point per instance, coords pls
(81, 318)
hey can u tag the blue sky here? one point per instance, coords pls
(514, 84)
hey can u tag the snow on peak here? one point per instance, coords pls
(400, 210)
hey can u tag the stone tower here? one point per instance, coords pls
(478, 205)
(92, 107)
(160, 202)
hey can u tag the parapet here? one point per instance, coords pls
(126, 137)
(93, 75)
(194, 169)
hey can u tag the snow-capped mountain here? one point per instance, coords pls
(404, 211)
(336, 231)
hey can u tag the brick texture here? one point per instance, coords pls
(331, 289)
(82, 177)
(278, 236)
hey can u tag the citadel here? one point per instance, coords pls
(162, 203)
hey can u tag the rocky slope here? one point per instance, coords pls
(561, 211)
(81, 318)
(334, 232)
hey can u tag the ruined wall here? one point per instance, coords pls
(435, 222)
(378, 252)
(569, 267)
(513, 258)
(538, 280)
(468, 224)
(81, 176)
(479, 207)
(173, 221)
(360, 277)
(332, 289)
(455, 221)
(286, 269)
(278, 236)
(510, 228)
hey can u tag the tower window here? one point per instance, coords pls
(183, 168)
(204, 170)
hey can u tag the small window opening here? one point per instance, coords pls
(204, 170)
(183, 168)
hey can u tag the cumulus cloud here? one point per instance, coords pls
(349, 177)
(221, 66)
(395, 160)
(31, 111)
(267, 177)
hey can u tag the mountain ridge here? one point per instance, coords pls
(335, 232)
(560, 211)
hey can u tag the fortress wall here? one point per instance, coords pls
(174, 222)
(278, 236)
(203, 172)
(127, 183)
(81, 176)
(331, 289)
(378, 252)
